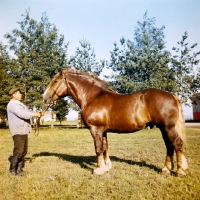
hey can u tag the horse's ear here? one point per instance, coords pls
(60, 71)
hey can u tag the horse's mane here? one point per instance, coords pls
(94, 77)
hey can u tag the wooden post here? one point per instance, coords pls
(80, 121)
(52, 119)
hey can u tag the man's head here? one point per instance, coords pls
(15, 94)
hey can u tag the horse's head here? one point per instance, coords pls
(56, 89)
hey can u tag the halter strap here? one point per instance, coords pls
(54, 92)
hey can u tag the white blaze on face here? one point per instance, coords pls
(45, 92)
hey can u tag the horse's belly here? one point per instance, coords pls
(125, 119)
(121, 126)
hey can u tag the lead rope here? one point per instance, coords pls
(37, 126)
(37, 122)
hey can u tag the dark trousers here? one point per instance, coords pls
(20, 145)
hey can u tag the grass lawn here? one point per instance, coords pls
(60, 162)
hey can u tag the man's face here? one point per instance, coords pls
(17, 95)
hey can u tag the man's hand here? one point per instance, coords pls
(42, 113)
(38, 114)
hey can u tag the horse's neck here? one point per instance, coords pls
(82, 89)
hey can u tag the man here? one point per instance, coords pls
(19, 124)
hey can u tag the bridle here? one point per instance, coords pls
(50, 104)
(55, 90)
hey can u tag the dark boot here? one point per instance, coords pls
(13, 165)
(20, 165)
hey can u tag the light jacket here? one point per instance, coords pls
(19, 118)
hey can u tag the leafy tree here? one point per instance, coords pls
(85, 59)
(195, 84)
(195, 88)
(6, 82)
(143, 62)
(183, 68)
(62, 109)
(39, 52)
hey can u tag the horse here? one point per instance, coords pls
(105, 110)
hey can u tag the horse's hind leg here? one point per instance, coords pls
(177, 144)
(169, 164)
(181, 160)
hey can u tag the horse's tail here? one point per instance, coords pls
(180, 124)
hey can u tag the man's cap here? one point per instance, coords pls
(12, 91)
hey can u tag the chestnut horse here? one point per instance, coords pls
(104, 110)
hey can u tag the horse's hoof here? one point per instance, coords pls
(108, 167)
(165, 171)
(180, 173)
(98, 171)
(184, 163)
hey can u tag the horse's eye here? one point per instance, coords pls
(55, 81)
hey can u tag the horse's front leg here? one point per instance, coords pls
(105, 153)
(101, 147)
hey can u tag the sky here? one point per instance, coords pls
(103, 22)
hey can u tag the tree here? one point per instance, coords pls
(6, 82)
(62, 109)
(39, 52)
(85, 59)
(183, 68)
(143, 62)
(195, 87)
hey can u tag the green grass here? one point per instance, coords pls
(60, 162)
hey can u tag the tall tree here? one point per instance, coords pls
(195, 87)
(183, 68)
(6, 81)
(39, 51)
(143, 62)
(85, 59)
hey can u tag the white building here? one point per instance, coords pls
(48, 116)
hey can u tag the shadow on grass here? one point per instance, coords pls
(88, 162)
